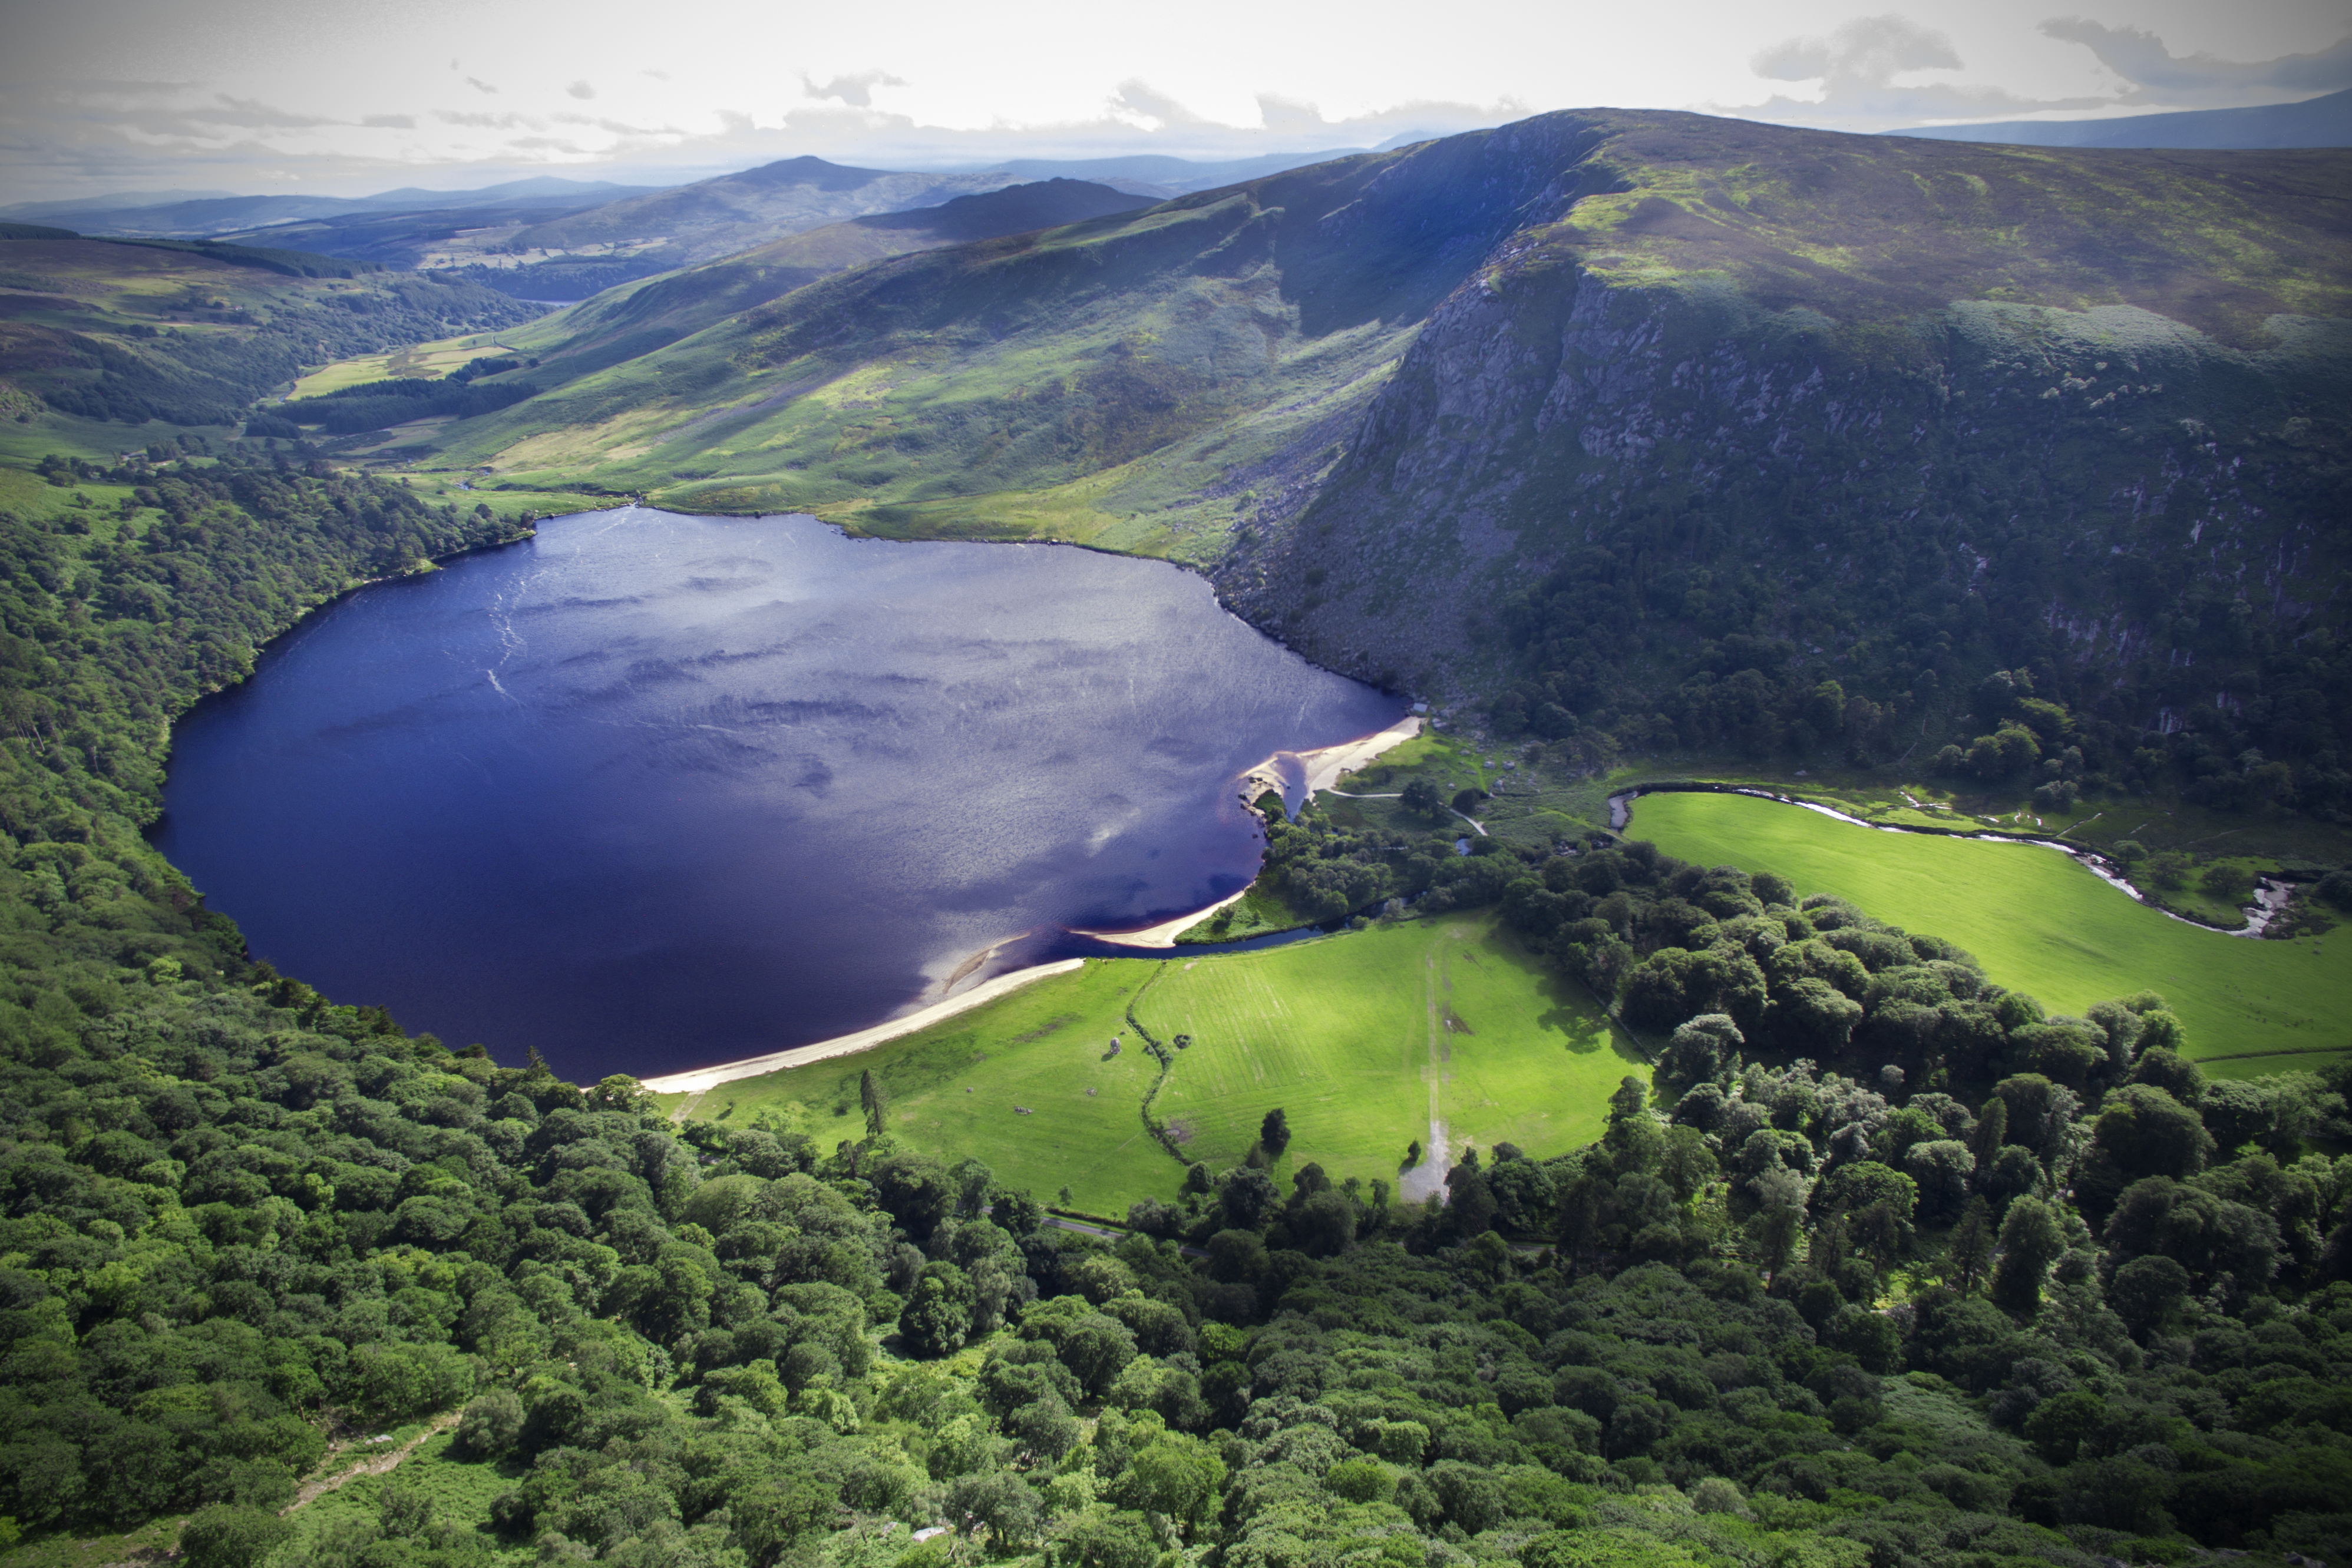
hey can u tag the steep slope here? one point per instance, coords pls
(1793, 410)
(631, 320)
(1123, 380)
(1644, 425)
(697, 297)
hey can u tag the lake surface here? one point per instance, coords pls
(650, 791)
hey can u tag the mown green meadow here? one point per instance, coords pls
(957, 1088)
(2040, 923)
(1349, 1034)
(1362, 1038)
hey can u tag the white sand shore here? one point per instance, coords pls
(702, 1078)
(1324, 767)
(1164, 934)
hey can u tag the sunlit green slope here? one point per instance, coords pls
(2040, 923)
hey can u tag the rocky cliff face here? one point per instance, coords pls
(1685, 453)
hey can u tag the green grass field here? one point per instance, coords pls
(1346, 1033)
(954, 1090)
(2040, 922)
(426, 359)
(1364, 1038)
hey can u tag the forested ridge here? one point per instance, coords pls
(2037, 1294)
(89, 327)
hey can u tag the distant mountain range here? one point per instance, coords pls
(197, 215)
(2315, 123)
(1153, 174)
(626, 322)
(561, 240)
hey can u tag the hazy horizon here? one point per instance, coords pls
(355, 97)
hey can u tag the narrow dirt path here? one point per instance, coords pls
(1427, 1179)
(374, 1465)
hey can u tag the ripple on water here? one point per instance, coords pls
(651, 791)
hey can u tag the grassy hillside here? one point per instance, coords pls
(576, 254)
(1866, 232)
(1141, 382)
(2041, 924)
(130, 333)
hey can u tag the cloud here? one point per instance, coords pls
(1857, 64)
(253, 116)
(72, 134)
(479, 84)
(618, 127)
(1867, 51)
(1137, 101)
(580, 90)
(857, 91)
(2139, 56)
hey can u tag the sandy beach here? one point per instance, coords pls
(703, 1078)
(1323, 766)
(1326, 765)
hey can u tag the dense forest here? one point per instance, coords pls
(1965, 644)
(1896, 1270)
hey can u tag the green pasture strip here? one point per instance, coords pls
(1346, 1034)
(151, 1543)
(460, 1488)
(1349, 1034)
(1043, 1046)
(428, 360)
(2161, 824)
(439, 485)
(2039, 922)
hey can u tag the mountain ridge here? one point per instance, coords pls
(2322, 121)
(1385, 403)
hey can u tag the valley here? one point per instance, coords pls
(1509, 1179)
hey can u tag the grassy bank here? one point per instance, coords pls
(2040, 922)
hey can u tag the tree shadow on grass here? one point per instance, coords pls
(1573, 1011)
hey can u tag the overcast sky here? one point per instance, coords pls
(344, 97)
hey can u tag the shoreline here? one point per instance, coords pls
(1323, 766)
(702, 1079)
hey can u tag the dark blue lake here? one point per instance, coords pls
(652, 791)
